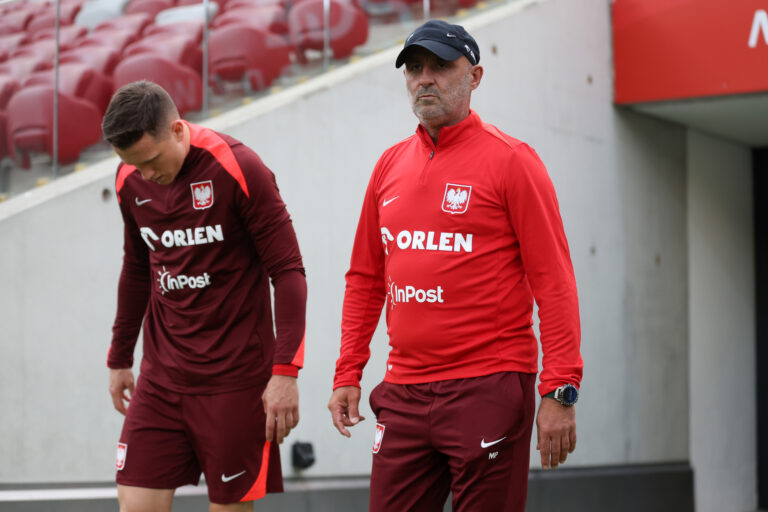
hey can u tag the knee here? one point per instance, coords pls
(246, 506)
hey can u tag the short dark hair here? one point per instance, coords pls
(135, 109)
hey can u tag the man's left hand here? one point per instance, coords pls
(281, 405)
(556, 429)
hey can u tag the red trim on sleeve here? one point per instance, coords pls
(259, 488)
(209, 140)
(285, 369)
(122, 175)
(298, 359)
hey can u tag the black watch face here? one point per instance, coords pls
(570, 395)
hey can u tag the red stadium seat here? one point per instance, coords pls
(239, 51)
(8, 86)
(236, 4)
(44, 49)
(69, 36)
(183, 84)
(47, 18)
(349, 27)
(135, 23)
(182, 3)
(151, 7)
(79, 80)
(193, 29)
(101, 58)
(114, 39)
(10, 42)
(267, 17)
(30, 125)
(15, 21)
(174, 47)
(19, 68)
(4, 150)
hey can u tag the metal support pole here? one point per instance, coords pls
(55, 169)
(326, 34)
(426, 10)
(205, 58)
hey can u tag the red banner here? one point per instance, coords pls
(674, 49)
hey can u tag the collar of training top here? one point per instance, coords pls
(449, 42)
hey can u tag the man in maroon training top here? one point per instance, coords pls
(459, 232)
(205, 231)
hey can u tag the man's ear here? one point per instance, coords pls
(477, 75)
(177, 129)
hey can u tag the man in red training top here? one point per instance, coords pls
(205, 231)
(459, 232)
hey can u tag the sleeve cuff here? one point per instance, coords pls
(349, 381)
(285, 369)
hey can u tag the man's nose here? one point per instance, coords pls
(147, 172)
(426, 77)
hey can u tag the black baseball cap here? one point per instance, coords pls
(449, 42)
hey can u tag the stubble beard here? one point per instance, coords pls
(445, 104)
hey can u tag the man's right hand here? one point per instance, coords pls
(343, 407)
(120, 381)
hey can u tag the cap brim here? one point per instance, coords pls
(442, 50)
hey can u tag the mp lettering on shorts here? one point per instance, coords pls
(183, 237)
(406, 294)
(167, 282)
(122, 451)
(378, 438)
(427, 241)
(456, 198)
(202, 194)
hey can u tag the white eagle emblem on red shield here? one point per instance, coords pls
(456, 198)
(202, 194)
(379, 437)
(122, 451)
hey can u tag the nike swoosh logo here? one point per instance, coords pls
(139, 203)
(226, 479)
(450, 35)
(387, 201)
(483, 444)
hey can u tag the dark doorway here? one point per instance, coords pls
(761, 294)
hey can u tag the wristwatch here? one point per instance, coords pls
(567, 395)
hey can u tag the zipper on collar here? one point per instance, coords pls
(425, 169)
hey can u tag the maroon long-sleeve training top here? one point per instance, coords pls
(198, 256)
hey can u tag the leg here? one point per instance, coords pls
(408, 474)
(489, 422)
(245, 506)
(142, 499)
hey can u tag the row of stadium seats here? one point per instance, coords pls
(250, 41)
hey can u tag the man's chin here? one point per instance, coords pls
(428, 114)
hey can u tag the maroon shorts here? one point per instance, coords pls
(169, 438)
(467, 436)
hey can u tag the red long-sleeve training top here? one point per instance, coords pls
(459, 238)
(198, 256)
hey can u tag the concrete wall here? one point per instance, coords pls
(620, 178)
(722, 324)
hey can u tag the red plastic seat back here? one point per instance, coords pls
(101, 58)
(190, 28)
(177, 48)
(79, 80)
(267, 17)
(30, 124)
(151, 7)
(8, 86)
(183, 84)
(349, 26)
(4, 149)
(238, 51)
